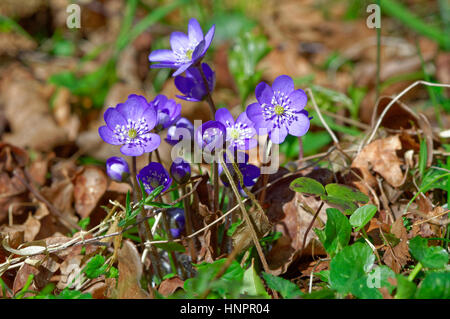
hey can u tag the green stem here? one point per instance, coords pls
(415, 271)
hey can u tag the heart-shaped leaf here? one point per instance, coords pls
(362, 216)
(308, 186)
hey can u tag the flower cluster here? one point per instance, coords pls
(136, 124)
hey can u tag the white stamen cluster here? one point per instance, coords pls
(280, 111)
(238, 133)
(184, 55)
(134, 132)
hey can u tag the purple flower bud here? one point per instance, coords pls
(211, 136)
(154, 175)
(182, 129)
(249, 172)
(177, 221)
(192, 86)
(167, 112)
(180, 170)
(117, 169)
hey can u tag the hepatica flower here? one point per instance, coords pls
(211, 136)
(186, 49)
(167, 111)
(176, 133)
(154, 175)
(240, 133)
(192, 85)
(117, 168)
(279, 109)
(129, 124)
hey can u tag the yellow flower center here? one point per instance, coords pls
(234, 134)
(189, 54)
(132, 133)
(279, 110)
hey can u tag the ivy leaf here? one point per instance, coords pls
(308, 186)
(286, 288)
(67, 293)
(430, 257)
(349, 265)
(436, 285)
(336, 234)
(362, 216)
(252, 284)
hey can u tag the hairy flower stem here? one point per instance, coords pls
(209, 99)
(144, 228)
(246, 216)
(189, 228)
(265, 177)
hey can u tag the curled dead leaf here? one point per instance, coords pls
(90, 186)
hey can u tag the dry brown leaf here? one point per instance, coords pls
(397, 257)
(32, 227)
(130, 272)
(90, 186)
(169, 286)
(381, 157)
(26, 108)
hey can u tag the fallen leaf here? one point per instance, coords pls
(381, 157)
(397, 257)
(130, 272)
(169, 286)
(90, 186)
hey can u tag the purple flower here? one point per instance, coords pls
(129, 124)
(177, 221)
(154, 175)
(117, 168)
(240, 132)
(183, 128)
(167, 111)
(249, 172)
(192, 86)
(186, 49)
(279, 109)
(211, 136)
(180, 170)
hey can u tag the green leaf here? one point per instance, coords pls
(308, 186)
(436, 285)
(67, 293)
(430, 257)
(349, 265)
(171, 246)
(423, 156)
(336, 234)
(346, 193)
(405, 288)
(83, 223)
(321, 294)
(95, 267)
(348, 207)
(324, 275)
(362, 216)
(286, 288)
(252, 284)
(434, 178)
(233, 227)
